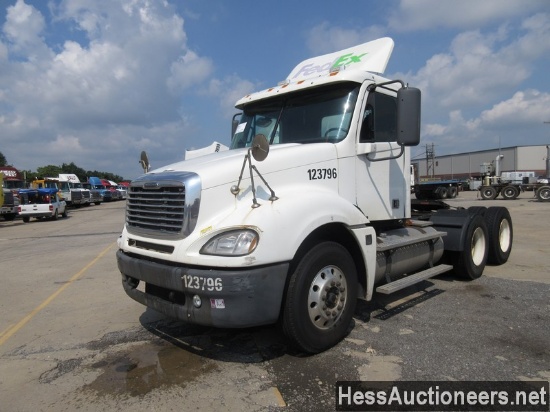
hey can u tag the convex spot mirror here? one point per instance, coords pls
(260, 147)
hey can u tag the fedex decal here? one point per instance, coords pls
(372, 57)
(310, 69)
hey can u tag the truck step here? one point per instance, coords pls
(407, 281)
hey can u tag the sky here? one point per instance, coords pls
(95, 82)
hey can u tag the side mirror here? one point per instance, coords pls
(408, 116)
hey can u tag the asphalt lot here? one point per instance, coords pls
(70, 339)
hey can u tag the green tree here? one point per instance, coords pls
(3, 161)
(48, 171)
(75, 170)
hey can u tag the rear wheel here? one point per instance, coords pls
(501, 234)
(64, 214)
(54, 216)
(321, 298)
(510, 192)
(471, 261)
(453, 192)
(26, 219)
(488, 192)
(543, 193)
(443, 193)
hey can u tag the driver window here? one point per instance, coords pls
(379, 119)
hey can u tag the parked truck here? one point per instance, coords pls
(12, 182)
(97, 184)
(307, 211)
(71, 190)
(42, 203)
(95, 194)
(511, 184)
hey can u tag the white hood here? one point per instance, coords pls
(225, 167)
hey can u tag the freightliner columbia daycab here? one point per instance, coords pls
(307, 211)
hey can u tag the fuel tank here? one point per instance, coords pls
(406, 250)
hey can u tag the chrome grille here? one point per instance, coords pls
(164, 205)
(161, 209)
(76, 195)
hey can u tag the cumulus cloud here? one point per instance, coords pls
(464, 14)
(480, 68)
(230, 89)
(325, 38)
(125, 68)
(513, 119)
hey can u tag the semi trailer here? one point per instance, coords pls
(309, 210)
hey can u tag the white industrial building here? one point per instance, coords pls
(468, 165)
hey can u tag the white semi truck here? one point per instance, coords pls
(72, 191)
(307, 211)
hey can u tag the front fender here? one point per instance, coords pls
(282, 225)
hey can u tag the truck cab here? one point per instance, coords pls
(97, 184)
(12, 183)
(307, 211)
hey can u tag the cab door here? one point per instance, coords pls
(381, 164)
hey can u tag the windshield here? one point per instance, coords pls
(322, 114)
(13, 184)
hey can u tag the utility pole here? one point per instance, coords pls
(430, 160)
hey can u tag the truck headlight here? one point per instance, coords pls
(232, 243)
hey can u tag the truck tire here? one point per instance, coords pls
(488, 192)
(470, 262)
(501, 235)
(26, 219)
(9, 216)
(64, 214)
(510, 192)
(54, 216)
(543, 193)
(473, 210)
(453, 192)
(443, 193)
(320, 298)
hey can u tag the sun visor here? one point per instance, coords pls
(372, 57)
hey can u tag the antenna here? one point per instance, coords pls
(144, 161)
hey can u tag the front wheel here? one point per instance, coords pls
(321, 298)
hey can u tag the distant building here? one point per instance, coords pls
(467, 165)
